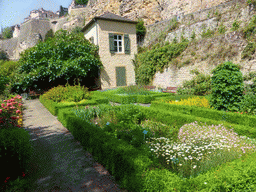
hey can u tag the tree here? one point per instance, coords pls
(140, 30)
(7, 33)
(81, 2)
(49, 34)
(3, 55)
(64, 58)
(227, 87)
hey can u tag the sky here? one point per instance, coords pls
(13, 12)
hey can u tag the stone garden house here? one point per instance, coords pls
(116, 38)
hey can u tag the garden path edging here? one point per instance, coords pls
(59, 162)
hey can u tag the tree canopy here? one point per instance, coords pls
(7, 33)
(81, 2)
(66, 56)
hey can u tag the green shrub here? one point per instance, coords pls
(3, 81)
(249, 50)
(227, 87)
(199, 85)
(15, 151)
(207, 33)
(68, 93)
(3, 55)
(222, 29)
(248, 103)
(250, 29)
(49, 34)
(235, 25)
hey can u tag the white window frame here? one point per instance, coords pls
(116, 39)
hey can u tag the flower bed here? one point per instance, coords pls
(192, 151)
(15, 147)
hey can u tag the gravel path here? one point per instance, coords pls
(59, 162)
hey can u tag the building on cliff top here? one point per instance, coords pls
(116, 38)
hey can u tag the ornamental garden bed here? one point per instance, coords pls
(15, 145)
(132, 94)
(160, 150)
(166, 147)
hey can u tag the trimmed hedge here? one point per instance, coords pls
(15, 152)
(126, 98)
(214, 114)
(176, 97)
(54, 107)
(123, 161)
(178, 119)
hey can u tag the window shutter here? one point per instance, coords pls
(127, 44)
(111, 43)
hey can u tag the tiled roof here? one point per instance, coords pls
(111, 17)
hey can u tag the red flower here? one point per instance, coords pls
(23, 174)
(1, 110)
(7, 179)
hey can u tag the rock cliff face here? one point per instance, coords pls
(150, 11)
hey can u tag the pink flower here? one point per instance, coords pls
(18, 111)
(20, 104)
(1, 110)
(9, 104)
(12, 100)
(3, 105)
(12, 107)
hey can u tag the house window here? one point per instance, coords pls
(118, 43)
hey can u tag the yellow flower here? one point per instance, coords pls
(195, 101)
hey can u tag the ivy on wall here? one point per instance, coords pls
(148, 62)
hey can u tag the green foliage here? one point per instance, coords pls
(207, 33)
(65, 57)
(249, 50)
(3, 55)
(140, 28)
(174, 24)
(156, 59)
(68, 93)
(251, 77)
(235, 25)
(15, 151)
(248, 103)
(193, 36)
(76, 30)
(9, 68)
(7, 33)
(222, 29)
(250, 29)
(199, 85)
(253, 2)
(81, 2)
(134, 90)
(3, 81)
(49, 34)
(227, 87)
